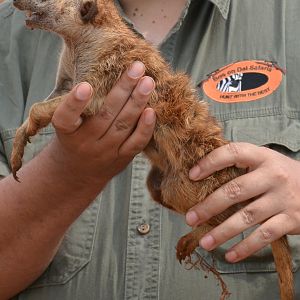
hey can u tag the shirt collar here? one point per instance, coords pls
(223, 6)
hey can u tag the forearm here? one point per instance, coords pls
(34, 215)
(69, 173)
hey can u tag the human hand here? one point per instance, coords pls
(272, 182)
(99, 147)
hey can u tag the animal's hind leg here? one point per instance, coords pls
(188, 243)
(40, 116)
(154, 180)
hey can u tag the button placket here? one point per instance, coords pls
(143, 241)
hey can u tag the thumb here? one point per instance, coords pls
(67, 117)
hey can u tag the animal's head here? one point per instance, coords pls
(67, 17)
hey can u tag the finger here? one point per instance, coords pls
(241, 155)
(254, 213)
(114, 101)
(141, 136)
(238, 190)
(271, 230)
(123, 89)
(127, 119)
(66, 119)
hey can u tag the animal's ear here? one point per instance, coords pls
(88, 10)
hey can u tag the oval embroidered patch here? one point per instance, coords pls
(243, 81)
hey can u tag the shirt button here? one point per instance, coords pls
(143, 229)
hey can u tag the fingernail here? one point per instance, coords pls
(195, 173)
(136, 70)
(146, 86)
(191, 218)
(231, 256)
(83, 91)
(207, 242)
(149, 117)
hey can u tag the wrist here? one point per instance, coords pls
(53, 177)
(74, 170)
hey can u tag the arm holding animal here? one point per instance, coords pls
(58, 184)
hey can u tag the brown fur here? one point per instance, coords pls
(99, 47)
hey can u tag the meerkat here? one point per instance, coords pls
(98, 48)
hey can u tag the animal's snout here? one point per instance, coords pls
(33, 6)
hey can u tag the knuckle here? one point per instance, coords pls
(244, 249)
(121, 125)
(232, 190)
(266, 234)
(234, 149)
(203, 211)
(248, 216)
(105, 113)
(138, 100)
(127, 84)
(281, 174)
(144, 132)
(209, 160)
(70, 106)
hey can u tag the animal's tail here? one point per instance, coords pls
(283, 262)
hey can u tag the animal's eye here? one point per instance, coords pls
(88, 11)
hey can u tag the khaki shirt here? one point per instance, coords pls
(103, 255)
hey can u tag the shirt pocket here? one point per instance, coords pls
(279, 133)
(260, 262)
(76, 247)
(75, 251)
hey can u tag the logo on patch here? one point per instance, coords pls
(243, 81)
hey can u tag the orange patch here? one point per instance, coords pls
(243, 81)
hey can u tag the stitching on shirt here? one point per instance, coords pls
(255, 113)
(223, 6)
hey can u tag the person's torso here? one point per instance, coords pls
(103, 255)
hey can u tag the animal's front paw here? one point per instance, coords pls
(20, 142)
(40, 116)
(185, 246)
